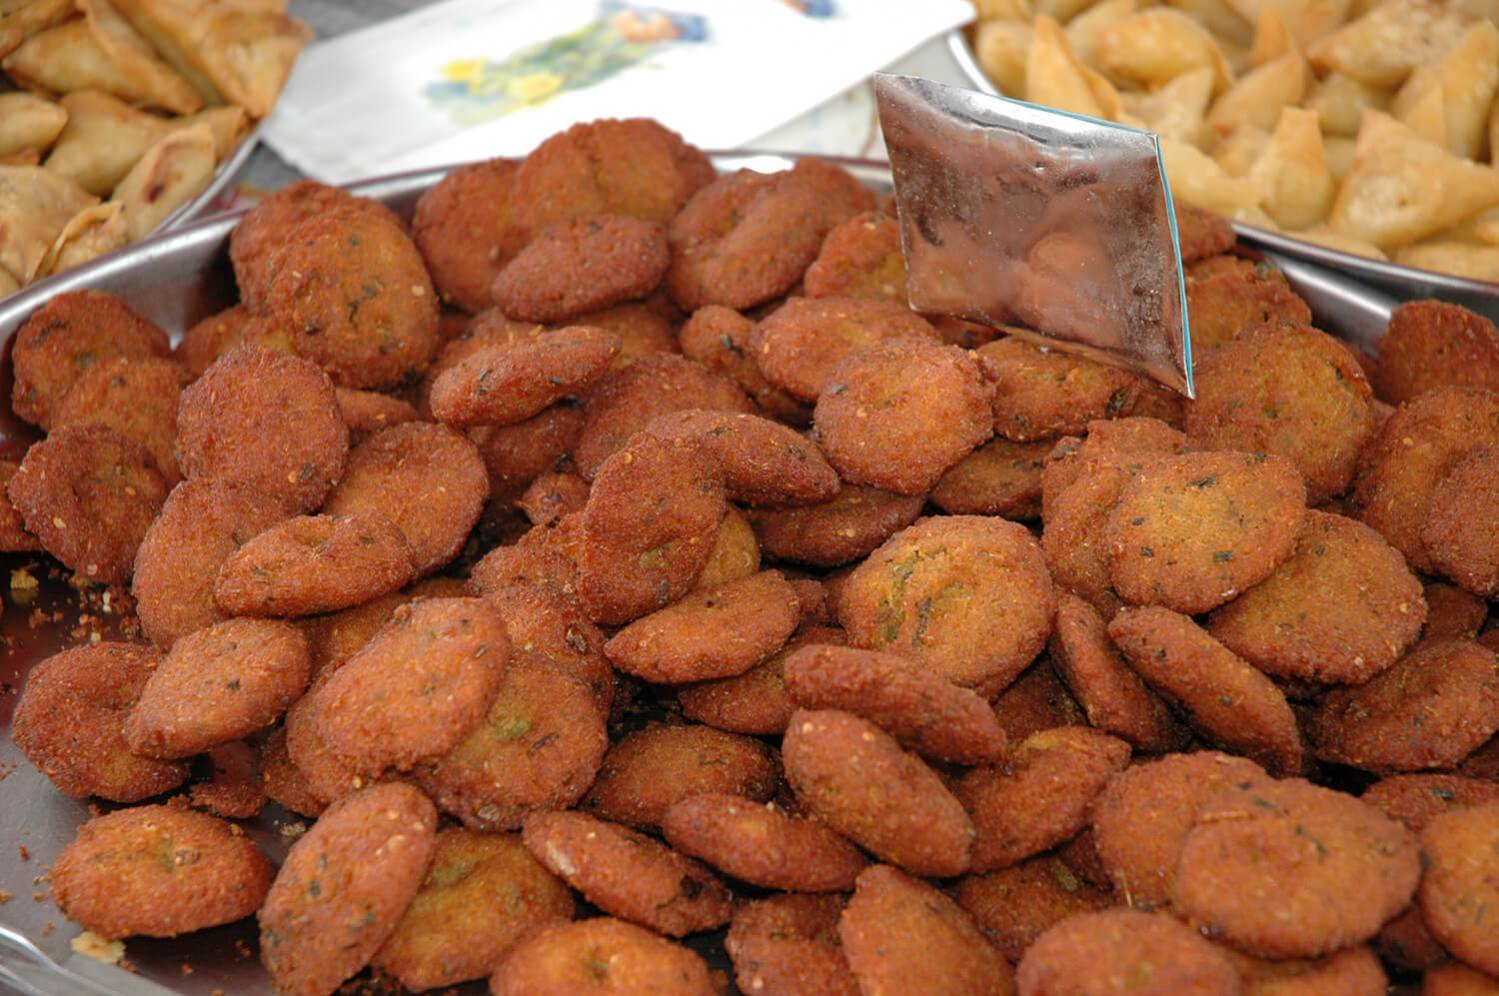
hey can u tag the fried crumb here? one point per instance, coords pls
(91, 945)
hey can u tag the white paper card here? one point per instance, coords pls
(471, 79)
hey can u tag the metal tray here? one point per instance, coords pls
(177, 278)
(1399, 283)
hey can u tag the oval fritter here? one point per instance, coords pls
(158, 871)
(70, 719)
(418, 687)
(1342, 609)
(314, 563)
(856, 778)
(901, 935)
(218, 684)
(628, 875)
(344, 886)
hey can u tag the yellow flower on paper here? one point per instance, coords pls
(464, 70)
(533, 87)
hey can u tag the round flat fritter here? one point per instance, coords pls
(1225, 305)
(860, 258)
(1073, 537)
(1113, 696)
(1409, 456)
(215, 335)
(1450, 611)
(264, 229)
(427, 479)
(1430, 344)
(924, 711)
(1435, 706)
(797, 346)
(352, 290)
(136, 398)
(600, 956)
(266, 420)
(1190, 532)
(158, 871)
(465, 228)
(1461, 884)
(1461, 534)
(763, 462)
(507, 384)
(1041, 795)
(648, 528)
(647, 772)
(788, 945)
(1417, 799)
(839, 531)
(235, 786)
(367, 412)
(625, 401)
(762, 845)
(898, 415)
(755, 701)
(1343, 608)
(1202, 233)
(1267, 867)
(482, 893)
(747, 237)
(1122, 443)
(418, 687)
(1041, 393)
(518, 455)
(1123, 951)
(1141, 819)
(710, 633)
(643, 327)
(571, 268)
(1014, 906)
(630, 166)
(218, 684)
(1001, 477)
(968, 596)
(550, 628)
(89, 494)
(1289, 390)
(314, 563)
(65, 337)
(538, 747)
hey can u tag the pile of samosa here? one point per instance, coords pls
(123, 112)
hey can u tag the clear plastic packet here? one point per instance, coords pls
(1057, 227)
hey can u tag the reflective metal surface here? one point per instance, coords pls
(1013, 213)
